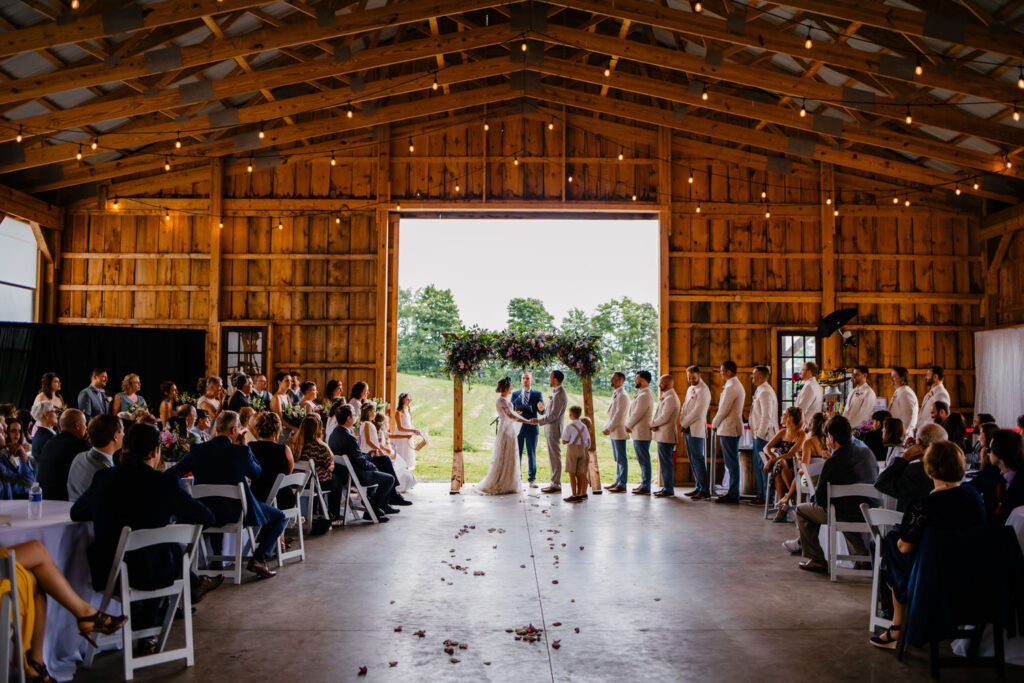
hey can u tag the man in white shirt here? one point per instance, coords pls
(903, 404)
(693, 418)
(860, 404)
(728, 423)
(937, 393)
(615, 429)
(663, 426)
(811, 394)
(638, 425)
(764, 422)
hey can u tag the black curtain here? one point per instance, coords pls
(27, 350)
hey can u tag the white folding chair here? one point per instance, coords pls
(241, 532)
(836, 527)
(10, 617)
(362, 491)
(296, 482)
(311, 493)
(178, 593)
(807, 480)
(878, 519)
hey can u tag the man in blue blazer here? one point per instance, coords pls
(528, 402)
(92, 400)
(222, 461)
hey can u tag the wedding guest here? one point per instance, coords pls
(404, 479)
(728, 423)
(60, 451)
(259, 389)
(933, 379)
(45, 414)
(947, 505)
(811, 395)
(997, 482)
(49, 390)
(874, 438)
(308, 444)
(693, 419)
(957, 429)
(16, 441)
(332, 390)
(213, 397)
(861, 401)
(893, 436)
(638, 426)
(240, 396)
(169, 404)
(222, 461)
(245, 434)
(369, 444)
(309, 395)
(848, 464)
(939, 413)
(903, 403)
(905, 478)
(554, 414)
(985, 434)
(663, 428)
(576, 438)
(15, 463)
(106, 434)
(404, 431)
(281, 399)
(529, 404)
(294, 392)
(274, 458)
(92, 400)
(974, 455)
(763, 424)
(780, 449)
(332, 417)
(128, 399)
(615, 429)
(360, 391)
(343, 442)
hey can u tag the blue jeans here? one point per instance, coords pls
(529, 438)
(698, 463)
(667, 467)
(643, 457)
(621, 464)
(269, 532)
(731, 456)
(760, 476)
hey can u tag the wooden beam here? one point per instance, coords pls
(1002, 222)
(664, 151)
(826, 191)
(213, 223)
(44, 248)
(810, 296)
(27, 208)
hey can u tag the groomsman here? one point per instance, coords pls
(861, 403)
(528, 402)
(903, 404)
(552, 422)
(664, 426)
(639, 427)
(811, 394)
(729, 424)
(764, 422)
(693, 419)
(615, 429)
(937, 393)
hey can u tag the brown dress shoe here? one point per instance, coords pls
(206, 584)
(617, 489)
(813, 566)
(260, 569)
(551, 489)
(641, 491)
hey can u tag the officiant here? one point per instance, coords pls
(528, 403)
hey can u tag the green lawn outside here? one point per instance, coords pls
(432, 411)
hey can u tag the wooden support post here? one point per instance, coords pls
(458, 472)
(216, 236)
(382, 279)
(665, 230)
(392, 335)
(832, 354)
(594, 471)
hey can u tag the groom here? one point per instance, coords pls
(553, 430)
(528, 403)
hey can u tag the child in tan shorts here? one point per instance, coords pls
(576, 437)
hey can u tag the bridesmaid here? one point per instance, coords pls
(168, 405)
(404, 431)
(50, 391)
(128, 399)
(280, 400)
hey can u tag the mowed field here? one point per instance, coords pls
(432, 411)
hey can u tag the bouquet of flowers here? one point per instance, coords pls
(465, 351)
(293, 415)
(861, 430)
(257, 403)
(185, 398)
(380, 405)
(174, 446)
(580, 353)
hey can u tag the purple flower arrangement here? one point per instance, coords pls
(466, 351)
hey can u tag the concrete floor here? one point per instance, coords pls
(665, 590)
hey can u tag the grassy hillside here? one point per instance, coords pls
(432, 411)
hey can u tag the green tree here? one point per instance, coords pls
(423, 317)
(577, 321)
(529, 314)
(629, 335)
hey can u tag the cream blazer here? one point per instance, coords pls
(694, 413)
(729, 418)
(639, 420)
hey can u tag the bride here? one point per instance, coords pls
(503, 475)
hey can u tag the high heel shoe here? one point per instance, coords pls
(781, 514)
(41, 675)
(99, 623)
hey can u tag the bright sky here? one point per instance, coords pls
(564, 263)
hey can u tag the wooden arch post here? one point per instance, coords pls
(458, 471)
(593, 470)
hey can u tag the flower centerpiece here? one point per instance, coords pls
(174, 446)
(580, 353)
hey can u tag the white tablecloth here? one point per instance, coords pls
(66, 542)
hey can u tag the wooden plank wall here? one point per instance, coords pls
(1010, 292)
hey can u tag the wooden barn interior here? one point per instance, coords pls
(222, 165)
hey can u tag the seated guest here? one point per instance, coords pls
(956, 428)
(360, 392)
(893, 436)
(369, 443)
(332, 416)
(92, 400)
(308, 442)
(213, 397)
(274, 458)
(939, 413)
(245, 415)
(813, 447)
(197, 422)
(136, 495)
(905, 478)
(973, 456)
(60, 451)
(997, 482)
(240, 397)
(947, 506)
(848, 464)
(786, 443)
(129, 399)
(17, 443)
(169, 403)
(15, 463)
(343, 442)
(873, 439)
(45, 414)
(405, 479)
(222, 461)
(50, 391)
(38, 578)
(105, 434)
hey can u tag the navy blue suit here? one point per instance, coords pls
(526, 405)
(342, 442)
(221, 462)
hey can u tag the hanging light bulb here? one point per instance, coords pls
(177, 142)
(621, 155)
(334, 162)
(807, 43)
(487, 126)
(220, 225)
(918, 70)
(167, 164)
(803, 108)
(835, 211)
(698, 8)
(261, 131)
(691, 178)
(909, 119)
(704, 93)
(1016, 112)
(74, 4)
(906, 201)
(957, 190)
(115, 204)
(348, 111)
(764, 193)
(698, 207)
(975, 186)
(570, 178)
(828, 199)
(457, 188)
(608, 70)
(515, 160)
(167, 215)
(634, 197)
(338, 220)
(19, 137)
(1006, 159)
(523, 46)
(895, 200)
(434, 85)
(767, 212)
(551, 124)
(1020, 76)
(95, 143)
(280, 224)
(248, 168)
(78, 156)
(411, 147)
(398, 206)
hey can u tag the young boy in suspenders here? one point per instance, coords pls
(576, 437)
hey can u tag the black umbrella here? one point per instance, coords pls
(834, 321)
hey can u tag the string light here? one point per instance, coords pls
(835, 211)
(957, 190)
(348, 110)
(334, 162)
(398, 206)
(803, 108)
(621, 155)
(909, 119)
(338, 220)
(515, 160)
(828, 199)
(691, 177)
(78, 156)
(698, 8)
(608, 70)
(19, 137)
(411, 147)
(1006, 160)
(1016, 112)
(975, 186)
(95, 143)
(177, 142)
(74, 4)
(457, 188)
(248, 168)
(523, 46)
(807, 43)
(698, 207)
(167, 164)
(434, 85)
(906, 200)
(704, 93)
(115, 204)
(220, 225)
(895, 200)
(551, 124)
(764, 191)
(634, 197)
(1020, 76)
(917, 67)
(167, 215)
(261, 131)
(768, 212)
(570, 178)
(280, 224)
(487, 126)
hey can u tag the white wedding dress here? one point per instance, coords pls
(503, 475)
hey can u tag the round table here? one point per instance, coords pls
(66, 542)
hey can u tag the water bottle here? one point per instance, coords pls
(35, 501)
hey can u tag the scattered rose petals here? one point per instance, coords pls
(581, 547)
(555, 581)
(487, 663)
(478, 573)
(449, 650)
(557, 623)
(392, 664)
(556, 644)
(454, 660)
(421, 634)
(522, 566)
(398, 629)
(392, 602)
(577, 629)
(657, 599)
(362, 671)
